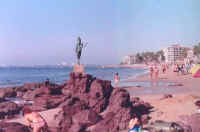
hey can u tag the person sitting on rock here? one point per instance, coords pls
(35, 120)
(135, 125)
(197, 103)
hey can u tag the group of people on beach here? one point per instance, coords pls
(181, 69)
(154, 71)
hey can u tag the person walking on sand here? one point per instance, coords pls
(35, 120)
(151, 72)
(116, 79)
(156, 70)
(163, 68)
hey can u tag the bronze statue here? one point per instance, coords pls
(79, 47)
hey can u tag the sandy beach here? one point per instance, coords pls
(185, 91)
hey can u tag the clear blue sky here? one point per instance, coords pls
(45, 31)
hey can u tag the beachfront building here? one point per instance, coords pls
(190, 56)
(174, 54)
(129, 59)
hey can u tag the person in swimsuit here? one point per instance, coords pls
(151, 72)
(197, 103)
(116, 79)
(156, 70)
(135, 125)
(35, 120)
(163, 68)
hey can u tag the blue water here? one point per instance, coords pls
(14, 76)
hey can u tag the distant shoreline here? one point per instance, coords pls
(137, 66)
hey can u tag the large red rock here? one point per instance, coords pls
(13, 127)
(8, 110)
(86, 118)
(69, 109)
(7, 92)
(45, 102)
(119, 99)
(99, 94)
(78, 83)
(32, 86)
(118, 113)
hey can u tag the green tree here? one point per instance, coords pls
(160, 53)
(139, 58)
(196, 49)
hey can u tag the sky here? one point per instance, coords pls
(44, 32)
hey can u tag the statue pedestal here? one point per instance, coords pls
(79, 68)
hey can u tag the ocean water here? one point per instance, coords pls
(15, 76)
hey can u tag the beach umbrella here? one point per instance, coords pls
(194, 69)
(196, 74)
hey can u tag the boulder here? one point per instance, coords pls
(31, 86)
(118, 113)
(30, 95)
(45, 102)
(119, 99)
(86, 118)
(7, 92)
(78, 83)
(99, 94)
(8, 110)
(69, 108)
(13, 127)
(106, 125)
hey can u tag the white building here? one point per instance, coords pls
(129, 59)
(174, 54)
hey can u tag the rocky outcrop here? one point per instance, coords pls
(8, 110)
(7, 92)
(94, 105)
(13, 127)
(88, 104)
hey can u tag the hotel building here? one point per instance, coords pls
(174, 54)
(129, 59)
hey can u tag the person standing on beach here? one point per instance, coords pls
(163, 68)
(151, 72)
(156, 70)
(116, 79)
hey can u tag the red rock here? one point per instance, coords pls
(8, 110)
(86, 118)
(69, 109)
(100, 92)
(7, 92)
(13, 127)
(48, 102)
(32, 86)
(119, 98)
